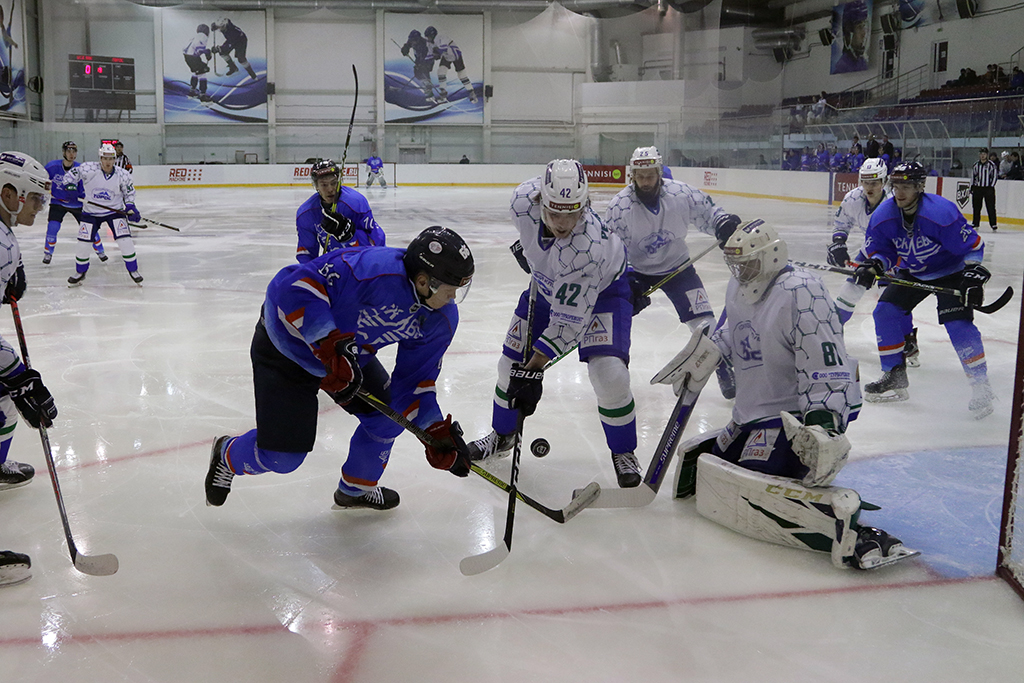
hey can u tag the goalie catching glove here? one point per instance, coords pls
(691, 368)
(823, 451)
(340, 356)
(454, 454)
(32, 398)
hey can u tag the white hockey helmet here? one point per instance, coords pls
(755, 254)
(24, 174)
(564, 187)
(874, 169)
(107, 150)
(644, 157)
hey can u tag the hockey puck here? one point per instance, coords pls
(540, 447)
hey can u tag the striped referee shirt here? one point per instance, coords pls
(984, 174)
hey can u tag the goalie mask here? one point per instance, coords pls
(755, 254)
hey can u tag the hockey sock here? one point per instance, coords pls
(610, 378)
(52, 228)
(889, 320)
(6, 434)
(127, 247)
(242, 456)
(202, 84)
(849, 296)
(98, 244)
(967, 341)
(368, 455)
(82, 251)
(466, 82)
(193, 81)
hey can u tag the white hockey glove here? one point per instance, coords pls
(824, 453)
(692, 366)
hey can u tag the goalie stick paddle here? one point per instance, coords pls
(94, 565)
(579, 501)
(1000, 301)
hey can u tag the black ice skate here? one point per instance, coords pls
(493, 445)
(14, 568)
(231, 69)
(377, 498)
(76, 279)
(911, 351)
(875, 548)
(627, 470)
(890, 388)
(136, 276)
(218, 478)
(47, 257)
(102, 255)
(15, 474)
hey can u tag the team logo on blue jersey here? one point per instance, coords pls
(326, 271)
(747, 344)
(653, 243)
(387, 325)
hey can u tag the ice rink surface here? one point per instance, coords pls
(275, 586)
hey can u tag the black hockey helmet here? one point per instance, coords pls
(69, 144)
(322, 169)
(414, 35)
(442, 254)
(430, 33)
(203, 28)
(908, 172)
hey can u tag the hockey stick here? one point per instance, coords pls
(476, 564)
(125, 214)
(581, 500)
(348, 138)
(1003, 299)
(94, 565)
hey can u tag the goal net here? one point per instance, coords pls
(1011, 535)
(356, 174)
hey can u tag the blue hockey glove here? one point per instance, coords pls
(517, 251)
(972, 284)
(133, 214)
(636, 290)
(868, 272)
(838, 254)
(525, 388)
(16, 285)
(32, 398)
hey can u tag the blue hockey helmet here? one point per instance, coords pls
(430, 33)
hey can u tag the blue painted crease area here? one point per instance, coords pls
(947, 504)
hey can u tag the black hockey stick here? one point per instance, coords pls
(348, 138)
(581, 500)
(476, 564)
(95, 565)
(1003, 299)
(124, 213)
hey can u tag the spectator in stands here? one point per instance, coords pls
(761, 161)
(806, 160)
(822, 157)
(819, 109)
(970, 77)
(1017, 79)
(886, 149)
(1016, 172)
(838, 161)
(956, 169)
(989, 77)
(464, 159)
(855, 147)
(871, 149)
(1004, 163)
(1001, 77)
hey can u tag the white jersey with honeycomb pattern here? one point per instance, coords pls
(570, 272)
(112, 191)
(788, 351)
(853, 213)
(10, 259)
(656, 241)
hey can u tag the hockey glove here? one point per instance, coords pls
(636, 290)
(838, 254)
(820, 448)
(454, 456)
(524, 389)
(340, 356)
(517, 251)
(133, 214)
(16, 285)
(972, 284)
(338, 226)
(32, 399)
(868, 272)
(725, 226)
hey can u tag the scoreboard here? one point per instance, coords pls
(101, 82)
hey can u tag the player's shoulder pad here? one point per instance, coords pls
(353, 200)
(939, 210)
(368, 263)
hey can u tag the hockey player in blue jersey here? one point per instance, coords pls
(375, 168)
(235, 41)
(422, 63)
(65, 201)
(349, 224)
(321, 327)
(929, 239)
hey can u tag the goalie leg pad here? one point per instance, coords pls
(778, 509)
(686, 468)
(691, 367)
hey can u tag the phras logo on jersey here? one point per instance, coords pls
(963, 193)
(699, 301)
(599, 331)
(759, 444)
(514, 336)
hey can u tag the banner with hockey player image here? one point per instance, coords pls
(12, 58)
(432, 68)
(851, 24)
(215, 66)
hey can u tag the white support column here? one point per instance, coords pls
(158, 66)
(486, 76)
(271, 99)
(378, 87)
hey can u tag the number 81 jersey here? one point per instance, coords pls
(570, 272)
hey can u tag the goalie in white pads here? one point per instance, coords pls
(767, 473)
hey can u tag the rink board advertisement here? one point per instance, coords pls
(215, 66)
(851, 24)
(433, 66)
(12, 58)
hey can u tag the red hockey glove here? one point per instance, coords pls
(454, 455)
(340, 356)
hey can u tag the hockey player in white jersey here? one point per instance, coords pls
(767, 474)
(448, 54)
(197, 56)
(110, 200)
(653, 216)
(583, 297)
(853, 215)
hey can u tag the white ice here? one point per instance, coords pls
(275, 586)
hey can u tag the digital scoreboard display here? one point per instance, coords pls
(101, 82)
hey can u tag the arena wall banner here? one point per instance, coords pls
(12, 59)
(851, 24)
(215, 66)
(605, 175)
(433, 66)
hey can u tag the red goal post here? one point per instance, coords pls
(1010, 565)
(356, 173)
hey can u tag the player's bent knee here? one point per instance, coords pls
(281, 462)
(610, 378)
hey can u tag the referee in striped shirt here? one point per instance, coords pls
(983, 188)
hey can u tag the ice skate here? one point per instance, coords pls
(875, 548)
(442, 93)
(911, 351)
(204, 97)
(492, 446)
(76, 279)
(890, 388)
(102, 256)
(192, 92)
(982, 399)
(627, 470)
(219, 476)
(14, 568)
(377, 498)
(252, 72)
(136, 276)
(47, 257)
(231, 69)
(15, 474)
(472, 96)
